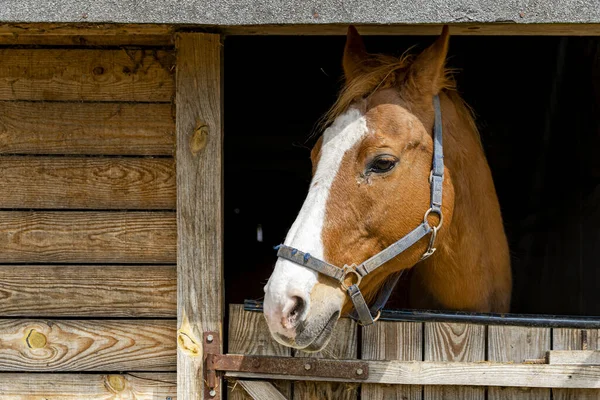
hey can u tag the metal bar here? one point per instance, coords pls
(348, 370)
(530, 320)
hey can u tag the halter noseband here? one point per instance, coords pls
(363, 313)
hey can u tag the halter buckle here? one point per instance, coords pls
(350, 269)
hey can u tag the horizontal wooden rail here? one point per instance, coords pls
(464, 373)
(86, 128)
(148, 291)
(141, 386)
(107, 345)
(87, 183)
(86, 75)
(88, 237)
(460, 29)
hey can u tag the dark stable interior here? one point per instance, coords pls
(537, 103)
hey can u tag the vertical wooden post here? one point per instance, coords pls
(199, 206)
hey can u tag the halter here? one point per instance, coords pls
(350, 276)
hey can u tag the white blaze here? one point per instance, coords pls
(289, 279)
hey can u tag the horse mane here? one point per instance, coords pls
(378, 72)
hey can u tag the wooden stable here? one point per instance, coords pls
(111, 225)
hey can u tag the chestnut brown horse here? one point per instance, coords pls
(371, 187)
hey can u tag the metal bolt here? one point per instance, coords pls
(210, 338)
(359, 371)
(307, 367)
(212, 393)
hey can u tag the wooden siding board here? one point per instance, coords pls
(108, 345)
(575, 339)
(87, 237)
(87, 183)
(199, 204)
(86, 75)
(86, 128)
(454, 342)
(73, 386)
(342, 345)
(392, 341)
(88, 291)
(249, 334)
(517, 344)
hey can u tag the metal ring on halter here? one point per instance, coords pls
(374, 319)
(439, 213)
(350, 269)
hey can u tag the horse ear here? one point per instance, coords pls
(355, 54)
(426, 74)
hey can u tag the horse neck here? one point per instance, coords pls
(476, 225)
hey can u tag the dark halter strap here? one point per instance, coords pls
(362, 312)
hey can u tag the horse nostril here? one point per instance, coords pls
(293, 316)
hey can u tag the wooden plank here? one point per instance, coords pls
(87, 40)
(261, 390)
(492, 29)
(83, 28)
(465, 374)
(88, 291)
(576, 357)
(108, 345)
(199, 205)
(137, 385)
(517, 344)
(342, 345)
(454, 342)
(87, 183)
(392, 341)
(249, 334)
(576, 340)
(86, 128)
(86, 75)
(87, 237)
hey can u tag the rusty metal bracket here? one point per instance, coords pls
(211, 346)
(215, 362)
(288, 366)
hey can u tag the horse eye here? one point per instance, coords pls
(382, 164)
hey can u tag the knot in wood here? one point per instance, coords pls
(188, 343)
(116, 383)
(36, 340)
(199, 138)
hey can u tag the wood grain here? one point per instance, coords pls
(261, 390)
(120, 345)
(88, 291)
(137, 385)
(493, 29)
(199, 204)
(342, 345)
(465, 373)
(574, 357)
(454, 342)
(82, 39)
(517, 344)
(86, 128)
(86, 75)
(575, 339)
(392, 341)
(87, 183)
(249, 334)
(87, 237)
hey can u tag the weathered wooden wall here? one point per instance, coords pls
(87, 218)
(412, 341)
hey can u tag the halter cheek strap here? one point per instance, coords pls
(350, 276)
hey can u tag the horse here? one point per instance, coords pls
(372, 185)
